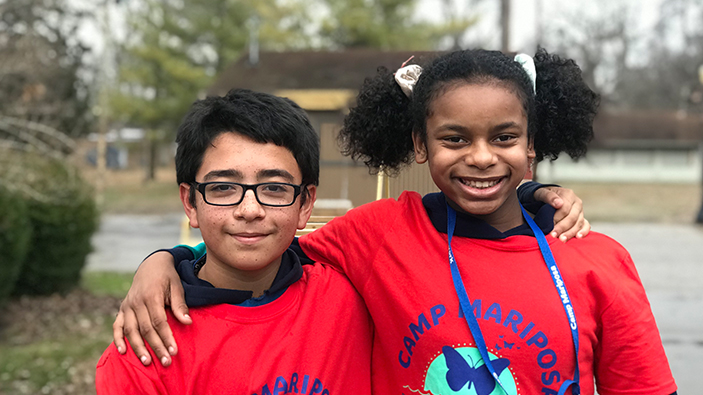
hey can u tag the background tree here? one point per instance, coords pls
(386, 24)
(174, 50)
(41, 61)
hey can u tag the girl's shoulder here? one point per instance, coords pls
(383, 209)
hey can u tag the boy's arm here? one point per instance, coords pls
(569, 221)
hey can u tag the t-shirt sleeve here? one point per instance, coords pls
(630, 358)
(351, 241)
(526, 195)
(123, 374)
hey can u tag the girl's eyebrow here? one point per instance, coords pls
(505, 125)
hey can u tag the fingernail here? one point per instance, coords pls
(187, 316)
(119, 350)
(554, 234)
(143, 359)
(579, 235)
(164, 361)
(563, 238)
(172, 350)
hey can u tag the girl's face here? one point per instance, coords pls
(478, 151)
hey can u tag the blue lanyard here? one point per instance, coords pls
(471, 318)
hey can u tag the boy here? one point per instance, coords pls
(248, 165)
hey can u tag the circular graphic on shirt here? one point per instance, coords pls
(462, 371)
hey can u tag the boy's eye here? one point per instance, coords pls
(275, 188)
(222, 189)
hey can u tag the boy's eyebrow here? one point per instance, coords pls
(263, 174)
(271, 173)
(229, 173)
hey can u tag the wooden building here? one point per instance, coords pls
(325, 84)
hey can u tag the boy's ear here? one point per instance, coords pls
(191, 213)
(420, 148)
(306, 208)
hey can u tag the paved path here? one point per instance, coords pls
(669, 259)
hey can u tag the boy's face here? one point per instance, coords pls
(247, 237)
(478, 151)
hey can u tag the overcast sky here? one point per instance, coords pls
(524, 21)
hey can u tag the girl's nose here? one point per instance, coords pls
(480, 154)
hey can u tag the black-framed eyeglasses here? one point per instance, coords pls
(273, 194)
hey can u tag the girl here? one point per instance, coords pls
(466, 294)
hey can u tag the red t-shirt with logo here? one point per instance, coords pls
(313, 339)
(398, 262)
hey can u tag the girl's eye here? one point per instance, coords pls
(504, 138)
(454, 139)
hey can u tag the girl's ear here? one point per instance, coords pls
(531, 151)
(420, 148)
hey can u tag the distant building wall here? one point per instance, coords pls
(659, 165)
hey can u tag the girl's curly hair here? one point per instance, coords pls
(379, 129)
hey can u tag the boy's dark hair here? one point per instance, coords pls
(262, 117)
(560, 115)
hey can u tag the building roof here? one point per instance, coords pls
(309, 70)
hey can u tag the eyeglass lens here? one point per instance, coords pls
(268, 193)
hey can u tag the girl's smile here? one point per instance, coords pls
(478, 151)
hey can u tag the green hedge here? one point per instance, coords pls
(63, 218)
(15, 232)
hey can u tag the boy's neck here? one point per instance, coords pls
(224, 276)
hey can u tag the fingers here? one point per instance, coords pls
(131, 331)
(572, 231)
(179, 307)
(569, 219)
(550, 196)
(152, 321)
(118, 333)
(585, 229)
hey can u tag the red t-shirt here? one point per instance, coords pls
(398, 262)
(313, 339)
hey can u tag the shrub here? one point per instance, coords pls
(15, 232)
(63, 218)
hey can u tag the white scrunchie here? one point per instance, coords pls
(528, 64)
(407, 77)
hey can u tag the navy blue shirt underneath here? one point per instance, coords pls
(199, 292)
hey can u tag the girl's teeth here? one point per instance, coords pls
(480, 184)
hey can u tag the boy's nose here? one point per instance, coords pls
(249, 208)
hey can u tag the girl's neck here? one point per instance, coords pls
(506, 217)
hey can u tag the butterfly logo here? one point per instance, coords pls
(460, 372)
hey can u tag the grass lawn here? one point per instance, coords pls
(50, 345)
